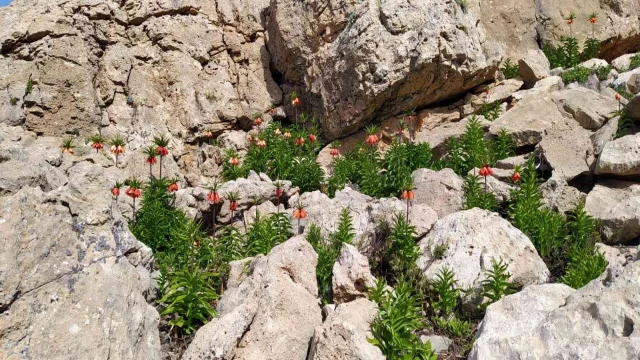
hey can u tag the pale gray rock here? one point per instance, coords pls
(533, 67)
(351, 275)
(558, 196)
(553, 321)
(472, 239)
(438, 343)
(605, 134)
(590, 109)
(344, 333)
(623, 62)
(616, 204)
(620, 157)
(269, 314)
(568, 162)
(440, 190)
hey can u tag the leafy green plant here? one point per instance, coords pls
(403, 251)
(188, 299)
(496, 285)
(440, 250)
(490, 110)
(503, 146)
(265, 233)
(29, 87)
(510, 70)
(626, 126)
(576, 74)
(476, 196)
(602, 72)
(591, 49)
(444, 287)
(584, 267)
(566, 55)
(13, 100)
(346, 232)
(399, 316)
(635, 61)
(231, 169)
(454, 326)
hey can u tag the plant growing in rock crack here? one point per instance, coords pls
(510, 70)
(232, 198)
(490, 110)
(97, 142)
(496, 284)
(117, 147)
(299, 213)
(188, 299)
(150, 153)
(602, 72)
(29, 87)
(578, 74)
(161, 144)
(446, 293)
(133, 191)
(399, 317)
(403, 251)
(68, 146)
(635, 61)
(503, 146)
(231, 169)
(477, 197)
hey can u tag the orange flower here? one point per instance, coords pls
(115, 191)
(299, 141)
(295, 102)
(334, 152)
(234, 161)
(287, 135)
(208, 134)
(372, 139)
(486, 171)
(151, 160)
(213, 197)
(407, 194)
(277, 131)
(173, 187)
(257, 121)
(261, 144)
(312, 137)
(97, 146)
(617, 97)
(299, 213)
(233, 205)
(516, 177)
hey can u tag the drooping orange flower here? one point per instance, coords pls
(298, 141)
(151, 160)
(115, 191)
(261, 144)
(213, 197)
(299, 213)
(234, 161)
(173, 187)
(312, 137)
(295, 102)
(257, 121)
(334, 152)
(516, 177)
(133, 192)
(372, 139)
(208, 134)
(407, 194)
(486, 171)
(618, 97)
(233, 205)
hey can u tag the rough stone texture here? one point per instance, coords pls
(351, 275)
(568, 162)
(590, 109)
(84, 280)
(633, 108)
(530, 119)
(422, 216)
(343, 335)
(616, 204)
(271, 314)
(605, 134)
(472, 239)
(620, 157)
(622, 62)
(388, 57)
(498, 92)
(597, 321)
(438, 343)
(544, 86)
(624, 79)
(558, 196)
(441, 190)
(522, 25)
(510, 163)
(366, 212)
(437, 137)
(533, 66)
(617, 258)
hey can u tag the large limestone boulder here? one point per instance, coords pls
(590, 109)
(366, 213)
(558, 196)
(472, 238)
(544, 86)
(554, 321)
(531, 118)
(440, 190)
(521, 25)
(84, 279)
(376, 59)
(620, 157)
(352, 277)
(616, 204)
(568, 162)
(271, 314)
(533, 66)
(343, 335)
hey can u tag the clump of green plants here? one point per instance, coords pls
(328, 252)
(602, 72)
(635, 61)
(14, 101)
(578, 74)
(477, 196)
(474, 150)
(445, 303)
(490, 110)
(568, 55)
(399, 317)
(281, 153)
(29, 87)
(496, 285)
(379, 176)
(510, 70)
(626, 126)
(566, 246)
